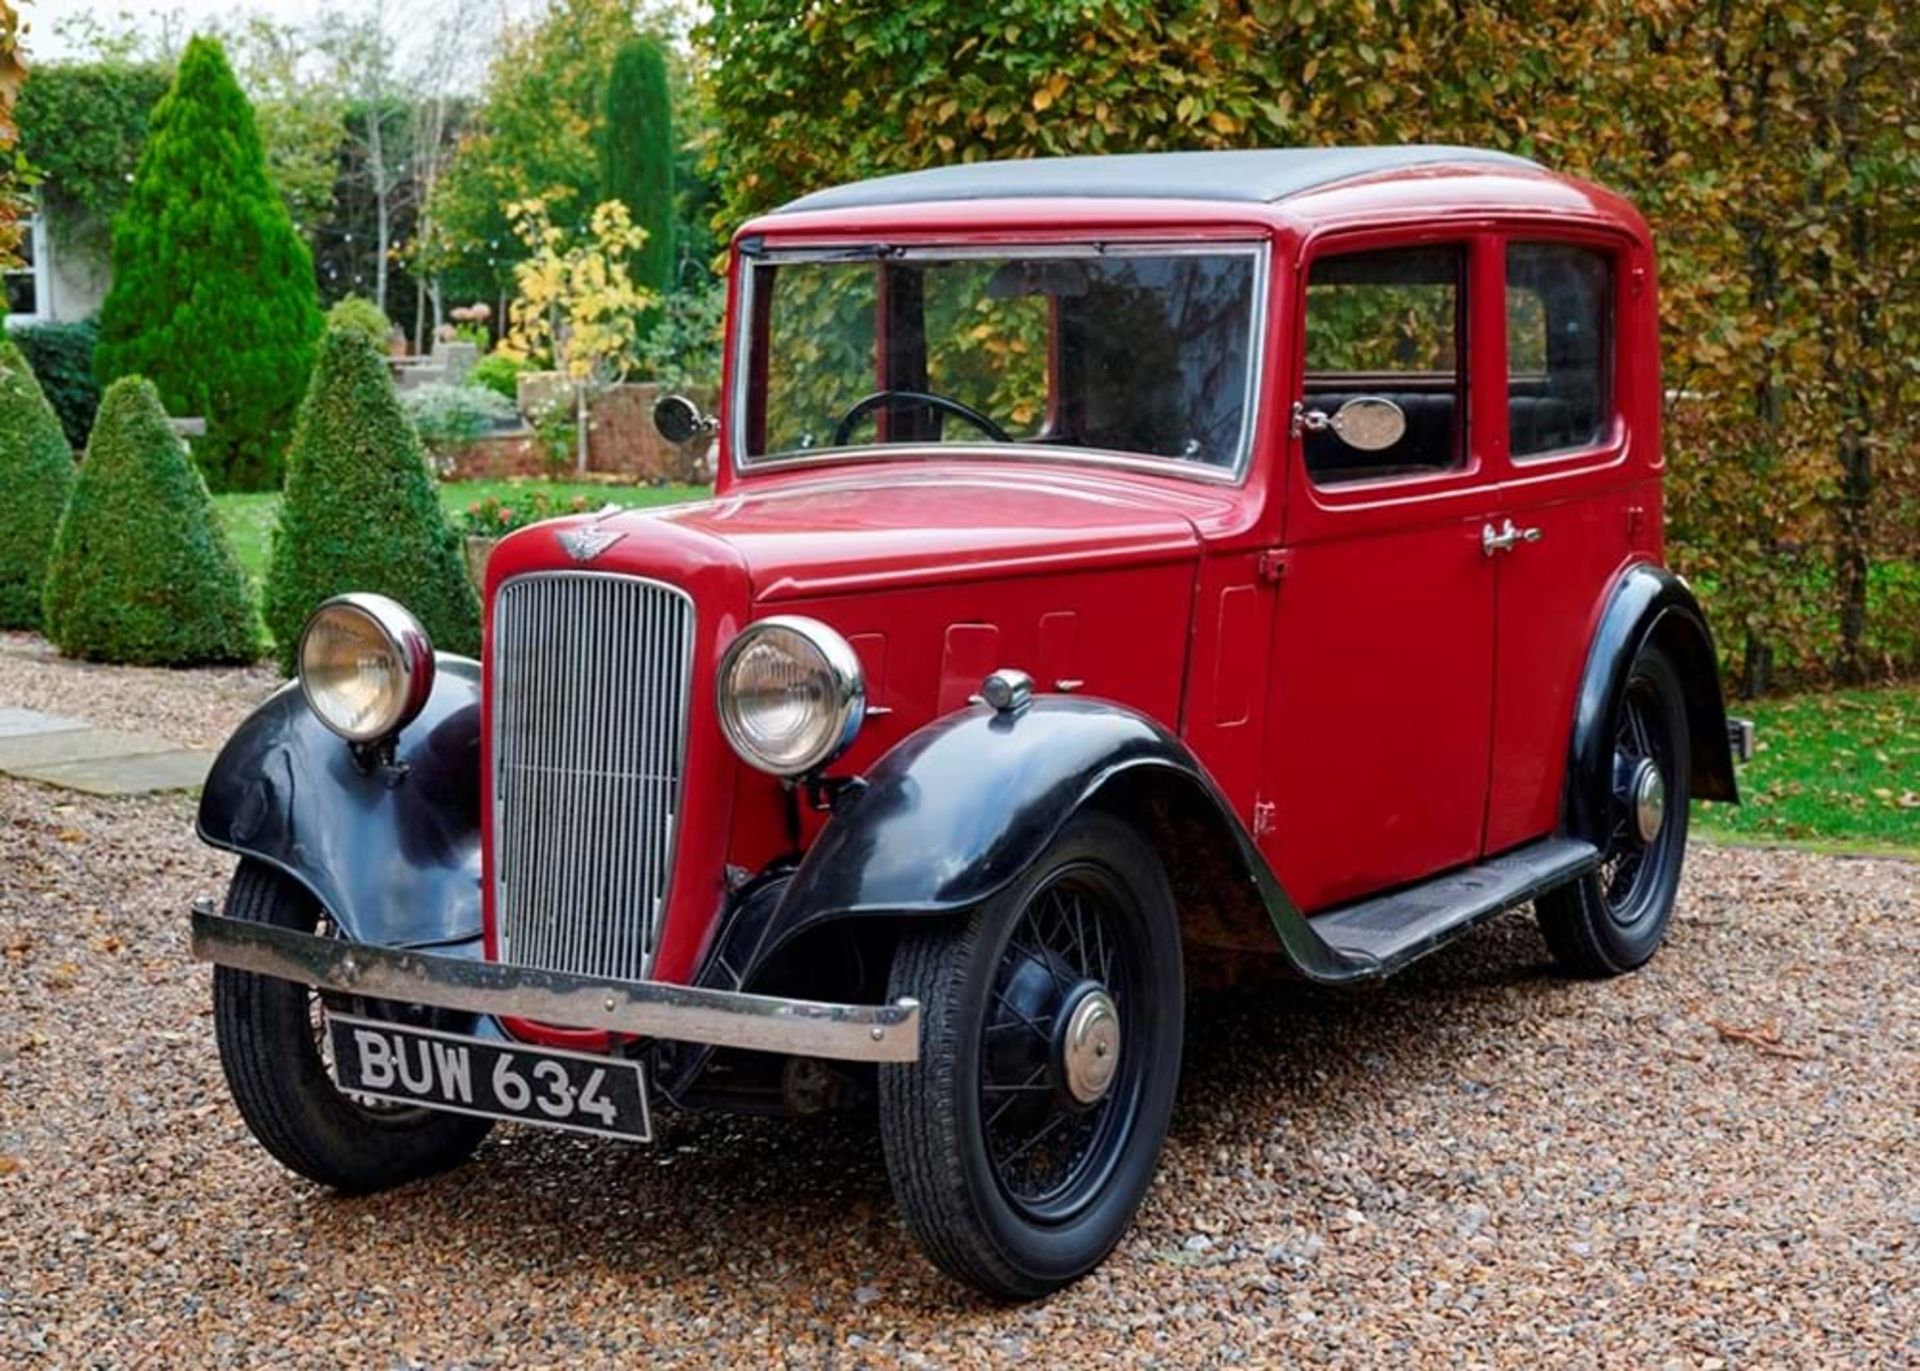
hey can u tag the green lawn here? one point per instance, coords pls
(249, 519)
(1840, 770)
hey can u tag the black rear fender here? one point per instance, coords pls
(1648, 606)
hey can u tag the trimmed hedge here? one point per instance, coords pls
(360, 511)
(36, 472)
(141, 571)
(61, 356)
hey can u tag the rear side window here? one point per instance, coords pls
(1387, 325)
(1559, 348)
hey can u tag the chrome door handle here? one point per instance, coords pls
(1506, 538)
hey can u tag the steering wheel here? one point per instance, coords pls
(862, 408)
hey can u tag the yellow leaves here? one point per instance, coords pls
(577, 299)
(1223, 123)
(1055, 87)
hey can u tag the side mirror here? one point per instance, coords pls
(1370, 423)
(679, 419)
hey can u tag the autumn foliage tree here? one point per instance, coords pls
(1771, 146)
(213, 297)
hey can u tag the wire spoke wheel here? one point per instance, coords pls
(1022, 1141)
(1057, 1087)
(1632, 866)
(1614, 917)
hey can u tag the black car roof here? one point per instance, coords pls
(1254, 175)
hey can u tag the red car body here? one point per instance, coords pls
(1330, 657)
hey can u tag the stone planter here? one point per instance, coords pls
(535, 392)
(479, 547)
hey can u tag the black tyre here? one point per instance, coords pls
(1023, 1140)
(271, 1036)
(1614, 918)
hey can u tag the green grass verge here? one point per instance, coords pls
(249, 519)
(1831, 772)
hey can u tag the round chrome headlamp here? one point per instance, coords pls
(792, 695)
(366, 666)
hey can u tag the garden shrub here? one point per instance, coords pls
(500, 372)
(36, 474)
(448, 416)
(361, 511)
(636, 161)
(213, 296)
(142, 572)
(358, 313)
(61, 356)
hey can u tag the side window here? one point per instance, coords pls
(1388, 325)
(1559, 347)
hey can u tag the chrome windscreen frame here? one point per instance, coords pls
(1236, 474)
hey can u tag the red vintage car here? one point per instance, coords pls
(1115, 565)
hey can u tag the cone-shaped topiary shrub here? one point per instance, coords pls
(141, 570)
(36, 475)
(213, 296)
(360, 511)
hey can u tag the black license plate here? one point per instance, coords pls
(538, 1085)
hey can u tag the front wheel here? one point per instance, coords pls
(1023, 1141)
(1614, 918)
(272, 1037)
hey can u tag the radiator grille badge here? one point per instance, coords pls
(584, 544)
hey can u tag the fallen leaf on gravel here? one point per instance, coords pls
(9, 1165)
(71, 835)
(19, 945)
(1766, 1038)
(62, 977)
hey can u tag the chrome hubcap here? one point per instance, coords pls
(1090, 1046)
(1649, 792)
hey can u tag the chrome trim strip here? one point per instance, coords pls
(1260, 250)
(649, 1009)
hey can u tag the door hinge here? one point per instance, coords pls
(1271, 566)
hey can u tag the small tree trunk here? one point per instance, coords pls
(580, 422)
(377, 158)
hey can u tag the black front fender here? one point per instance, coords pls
(392, 853)
(958, 811)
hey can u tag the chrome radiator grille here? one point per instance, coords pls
(590, 680)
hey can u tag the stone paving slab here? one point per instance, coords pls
(16, 723)
(56, 750)
(77, 745)
(177, 770)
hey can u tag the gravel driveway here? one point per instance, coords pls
(1714, 1161)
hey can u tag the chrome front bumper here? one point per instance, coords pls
(648, 1009)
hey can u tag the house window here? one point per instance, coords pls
(27, 294)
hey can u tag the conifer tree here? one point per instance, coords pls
(636, 158)
(213, 294)
(360, 511)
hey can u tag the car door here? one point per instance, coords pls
(1581, 494)
(1379, 707)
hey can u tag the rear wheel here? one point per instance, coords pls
(272, 1039)
(1614, 918)
(1024, 1139)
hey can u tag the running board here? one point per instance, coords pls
(1378, 936)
